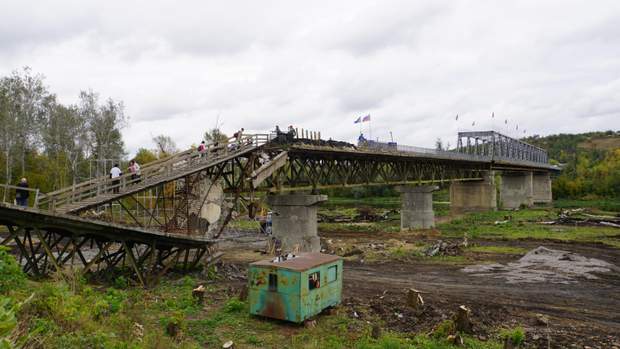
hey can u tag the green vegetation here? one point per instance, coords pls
(515, 335)
(11, 275)
(609, 205)
(523, 224)
(59, 316)
(590, 164)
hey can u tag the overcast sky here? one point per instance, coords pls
(548, 66)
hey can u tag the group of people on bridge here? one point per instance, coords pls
(288, 136)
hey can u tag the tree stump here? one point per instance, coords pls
(462, 321)
(172, 329)
(456, 340)
(243, 293)
(376, 331)
(415, 301)
(199, 294)
(508, 344)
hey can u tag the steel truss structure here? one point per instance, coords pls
(45, 243)
(312, 168)
(498, 146)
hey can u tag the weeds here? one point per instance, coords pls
(515, 335)
(11, 276)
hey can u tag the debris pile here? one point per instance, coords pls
(230, 271)
(580, 217)
(544, 265)
(364, 214)
(444, 248)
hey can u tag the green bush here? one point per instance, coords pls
(121, 283)
(115, 299)
(11, 275)
(444, 329)
(515, 335)
(7, 321)
(234, 306)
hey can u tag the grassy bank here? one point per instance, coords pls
(74, 314)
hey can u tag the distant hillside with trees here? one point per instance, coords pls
(590, 162)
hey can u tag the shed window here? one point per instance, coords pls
(273, 282)
(332, 273)
(314, 280)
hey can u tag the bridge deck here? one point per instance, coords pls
(420, 154)
(32, 218)
(102, 190)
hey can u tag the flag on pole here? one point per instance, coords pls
(358, 120)
(366, 118)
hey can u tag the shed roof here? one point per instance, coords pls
(302, 261)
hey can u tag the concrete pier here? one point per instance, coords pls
(416, 206)
(516, 190)
(294, 221)
(541, 187)
(474, 196)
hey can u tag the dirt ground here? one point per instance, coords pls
(582, 313)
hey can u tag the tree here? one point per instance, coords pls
(144, 156)
(215, 135)
(165, 145)
(104, 124)
(65, 137)
(22, 103)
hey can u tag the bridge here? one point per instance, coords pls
(176, 210)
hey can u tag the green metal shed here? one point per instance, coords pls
(295, 289)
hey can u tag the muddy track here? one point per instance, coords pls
(586, 312)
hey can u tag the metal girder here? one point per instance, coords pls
(307, 170)
(498, 146)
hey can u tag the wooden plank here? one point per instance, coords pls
(268, 169)
(132, 261)
(36, 218)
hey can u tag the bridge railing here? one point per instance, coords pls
(479, 152)
(9, 193)
(152, 171)
(443, 154)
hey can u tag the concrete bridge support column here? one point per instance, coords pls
(474, 196)
(541, 183)
(294, 221)
(417, 206)
(516, 190)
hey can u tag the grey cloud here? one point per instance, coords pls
(549, 67)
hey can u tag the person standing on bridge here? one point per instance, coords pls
(21, 195)
(238, 135)
(361, 140)
(202, 149)
(115, 172)
(291, 133)
(134, 169)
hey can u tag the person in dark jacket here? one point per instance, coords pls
(21, 195)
